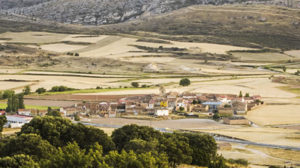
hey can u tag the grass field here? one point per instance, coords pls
(3, 106)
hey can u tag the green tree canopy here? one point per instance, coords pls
(26, 90)
(18, 161)
(69, 156)
(59, 132)
(127, 133)
(3, 120)
(204, 148)
(28, 144)
(135, 84)
(40, 90)
(177, 148)
(185, 82)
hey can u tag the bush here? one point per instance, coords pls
(216, 117)
(60, 89)
(27, 90)
(238, 161)
(40, 90)
(185, 82)
(135, 84)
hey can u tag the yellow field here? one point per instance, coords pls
(61, 47)
(49, 81)
(276, 136)
(261, 156)
(105, 45)
(275, 115)
(33, 37)
(261, 57)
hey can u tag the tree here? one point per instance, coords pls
(59, 132)
(141, 146)
(218, 162)
(29, 144)
(241, 94)
(247, 95)
(204, 148)
(216, 117)
(7, 94)
(135, 84)
(12, 103)
(70, 156)
(21, 101)
(185, 82)
(284, 68)
(54, 113)
(40, 90)
(18, 161)
(76, 117)
(3, 121)
(124, 135)
(26, 90)
(177, 148)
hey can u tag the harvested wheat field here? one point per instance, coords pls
(293, 53)
(33, 37)
(61, 47)
(275, 115)
(261, 155)
(275, 136)
(261, 57)
(84, 38)
(37, 81)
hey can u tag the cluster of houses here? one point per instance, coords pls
(164, 104)
(168, 103)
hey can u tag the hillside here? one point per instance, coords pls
(242, 25)
(239, 25)
(99, 12)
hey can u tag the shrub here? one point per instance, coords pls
(40, 90)
(135, 84)
(185, 82)
(60, 89)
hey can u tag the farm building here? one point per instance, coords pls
(17, 121)
(24, 112)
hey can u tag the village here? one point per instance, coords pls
(226, 107)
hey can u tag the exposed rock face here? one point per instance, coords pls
(96, 12)
(8, 4)
(99, 12)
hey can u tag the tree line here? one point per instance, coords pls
(56, 142)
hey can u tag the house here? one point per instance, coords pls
(162, 112)
(68, 111)
(236, 120)
(24, 112)
(212, 106)
(17, 121)
(35, 112)
(2, 112)
(239, 107)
